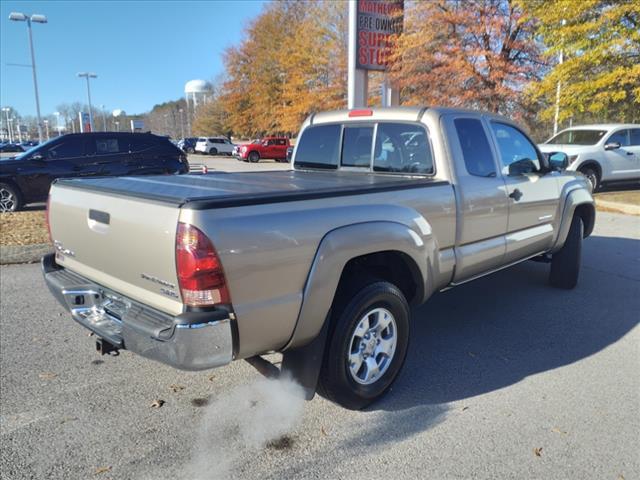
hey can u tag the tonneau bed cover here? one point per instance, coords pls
(220, 190)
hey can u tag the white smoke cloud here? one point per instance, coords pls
(243, 420)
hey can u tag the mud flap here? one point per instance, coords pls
(303, 364)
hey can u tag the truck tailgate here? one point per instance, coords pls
(124, 244)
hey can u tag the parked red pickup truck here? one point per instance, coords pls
(267, 147)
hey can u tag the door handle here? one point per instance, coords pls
(629, 153)
(516, 195)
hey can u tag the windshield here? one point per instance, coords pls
(578, 137)
(37, 148)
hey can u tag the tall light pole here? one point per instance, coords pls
(182, 121)
(6, 111)
(556, 115)
(89, 75)
(104, 119)
(37, 18)
(57, 114)
(13, 137)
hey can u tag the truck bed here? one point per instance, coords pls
(221, 190)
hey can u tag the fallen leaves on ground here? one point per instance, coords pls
(175, 388)
(23, 228)
(100, 470)
(538, 451)
(47, 375)
(557, 430)
(323, 431)
(157, 403)
(211, 378)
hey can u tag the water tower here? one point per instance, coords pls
(196, 93)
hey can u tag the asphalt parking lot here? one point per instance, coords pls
(505, 378)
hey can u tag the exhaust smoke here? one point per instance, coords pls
(242, 421)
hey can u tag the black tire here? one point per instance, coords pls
(254, 157)
(213, 151)
(592, 176)
(10, 198)
(565, 263)
(336, 382)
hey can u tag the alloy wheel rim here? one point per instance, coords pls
(7, 200)
(372, 346)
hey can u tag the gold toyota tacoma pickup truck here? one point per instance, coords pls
(382, 209)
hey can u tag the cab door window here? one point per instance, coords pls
(476, 151)
(621, 137)
(517, 154)
(69, 148)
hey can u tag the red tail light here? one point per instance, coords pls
(200, 273)
(47, 217)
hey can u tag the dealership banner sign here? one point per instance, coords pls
(379, 23)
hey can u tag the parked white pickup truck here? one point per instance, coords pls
(383, 209)
(602, 153)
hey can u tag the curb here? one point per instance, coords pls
(10, 254)
(619, 207)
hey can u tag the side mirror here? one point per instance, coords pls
(521, 167)
(37, 157)
(558, 161)
(612, 146)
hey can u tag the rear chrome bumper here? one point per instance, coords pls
(189, 341)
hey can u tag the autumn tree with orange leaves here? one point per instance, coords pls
(461, 53)
(477, 54)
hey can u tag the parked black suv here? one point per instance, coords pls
(26, 178)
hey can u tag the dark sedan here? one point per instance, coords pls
(27, 177)
(11, 148)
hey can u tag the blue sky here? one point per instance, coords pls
(143, 51)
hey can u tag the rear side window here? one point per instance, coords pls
(105, 146)
(635, 136)
(319, 147)
(356, 146)
(402, 148)
(476, 151)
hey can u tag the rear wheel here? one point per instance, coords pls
(565, 263)
(213, 151)
(367, 347)
(254, 157)
(10, 198)
(593, 176)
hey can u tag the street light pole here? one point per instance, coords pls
(6, 111)
(37, 18)
(182, 121)
(57, 114)
(104, 119)
(87, 76)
